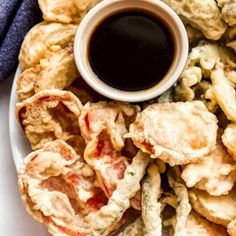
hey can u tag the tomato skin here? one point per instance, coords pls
(86, 120)
(98, 200)
(148, 147)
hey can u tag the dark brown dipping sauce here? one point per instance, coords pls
(131, 50)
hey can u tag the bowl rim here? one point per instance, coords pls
(80, 53)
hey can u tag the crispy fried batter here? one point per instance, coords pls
(58, 71)
(231, 228)
(49, 115)
(183, 207)
(224, 92)
(59, 190)
(103, 125)
(177, 133)
(151, 207)
(201, 14)
(46, 59)
(229, 139)
(194, 83)
(65, 11)
(228, 11)
(43, 40)
(218, 209)
(215, 173)
(102, 221)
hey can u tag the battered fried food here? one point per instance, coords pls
(102, 221)
(151, 207)
(58, 71)
(46, 59)
(231, 228)
(49, 115)
(183, 207)
(215, 173)
(229, 139)
(177, 133)
(191, 84)
(59, 189)
(103, 125)
(228, 11)
(218, 209)
(196, 83)
(65, 11)
(224, 92)
(43, 40)
(201, 14)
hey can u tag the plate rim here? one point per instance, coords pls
(14, 125)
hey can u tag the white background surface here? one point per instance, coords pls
(14, 221)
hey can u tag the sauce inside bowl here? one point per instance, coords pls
(131, 50)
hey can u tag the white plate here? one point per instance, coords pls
(19, 144)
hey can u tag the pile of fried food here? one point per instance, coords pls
(164, 167)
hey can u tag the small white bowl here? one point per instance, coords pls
(107, 8)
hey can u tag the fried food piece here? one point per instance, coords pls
(195, 82)
(58, 71)
(183, 207)
(224, 92)
(199, 226)
(218, 209)
(229, 139)
(201, 14)
(65, 11)
(191, 84)
(102, 221)
(215, 173)
(43, 40)
(177, 133)
(46, 59)
(228, 11)
(135, 228)
(49, 115)
(103, 125)
(151, 207)
(231, 228)
(59, 189)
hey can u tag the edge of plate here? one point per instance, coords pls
(19, 146)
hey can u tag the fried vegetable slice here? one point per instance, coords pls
(231, 228)
(58, 71)
(228, 11)
(151, 207)
(43, 40)
(224, 92)
(102, 221)
(46, 59)
(229, 139)
(197, 225)
(201, 14)
(49, 115)
(59, 189)
(65, 11)
(215, 173)
(103, 125)
(183, 207)
(218, 209)
(177, 133)
(135, 228)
